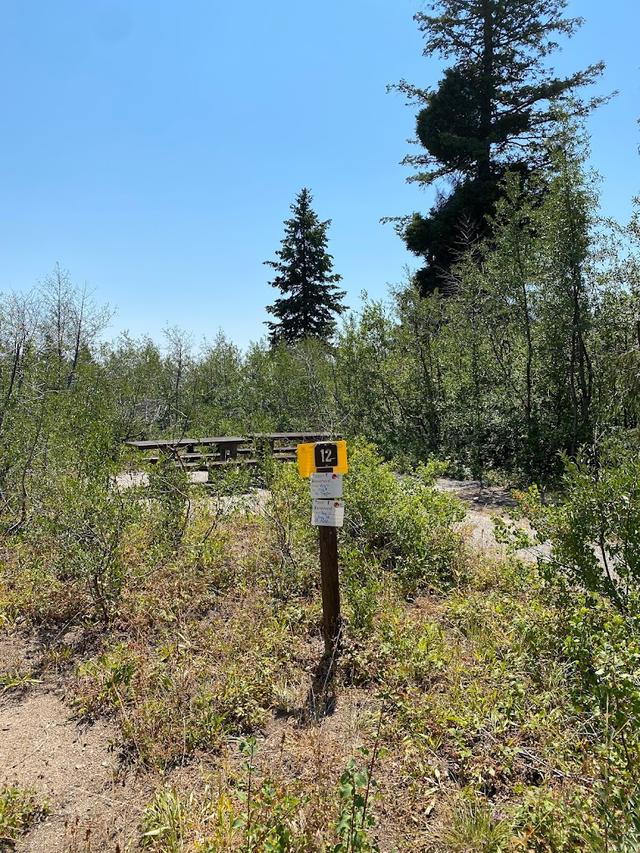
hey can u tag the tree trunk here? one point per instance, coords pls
(487, 84)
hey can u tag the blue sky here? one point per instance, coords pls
(152, 148)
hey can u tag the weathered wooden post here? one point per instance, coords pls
(324, 462)
(330, 586)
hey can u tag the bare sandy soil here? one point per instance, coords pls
(43, 749)
(92, 804)
(484, 503)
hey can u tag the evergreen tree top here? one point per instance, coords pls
(494, 111)
(497, 52)
(304, 275)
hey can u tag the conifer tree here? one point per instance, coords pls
(310, 298)
(491, 113)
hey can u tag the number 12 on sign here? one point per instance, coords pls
(328, 457)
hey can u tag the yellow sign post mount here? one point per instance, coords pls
(322, 457)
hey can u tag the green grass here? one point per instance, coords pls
(16, 679)
(19, 809)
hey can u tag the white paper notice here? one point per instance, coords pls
(326, 485)
(327, 513)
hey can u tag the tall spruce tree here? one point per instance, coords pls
(311, 300)
(491, 113)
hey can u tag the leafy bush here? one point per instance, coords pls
(362, 586)
(594, 570)
(594, 530)
(405, 522)
(83, 527)
(604, 649)
(292, 566)
(169, 490)
(593, 580)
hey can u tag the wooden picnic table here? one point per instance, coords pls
(229, 447)
(185, 442)
(283, 444)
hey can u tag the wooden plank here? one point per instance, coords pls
(293, 436)
(187, 442)
(192, 456)
(230, 440)
(187, 457)
(219, 463)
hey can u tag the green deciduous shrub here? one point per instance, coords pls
(168, 490)
(362, 584)
(292, 567)
(594, 529)
(404, 521)
(402, 524)
(83, 525)
(594, 576)
(603, 647)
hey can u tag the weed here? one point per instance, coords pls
(16, 679)
(355, 820)
(19, 809)
(215, 819)
(473, 827)
(401, 650)
(165, 821)
(189, 693)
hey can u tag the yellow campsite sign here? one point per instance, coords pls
(328, 457)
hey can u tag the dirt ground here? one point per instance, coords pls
(92, 804)
(43, 749)
(483, 504)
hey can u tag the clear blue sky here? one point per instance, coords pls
(153, 147)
